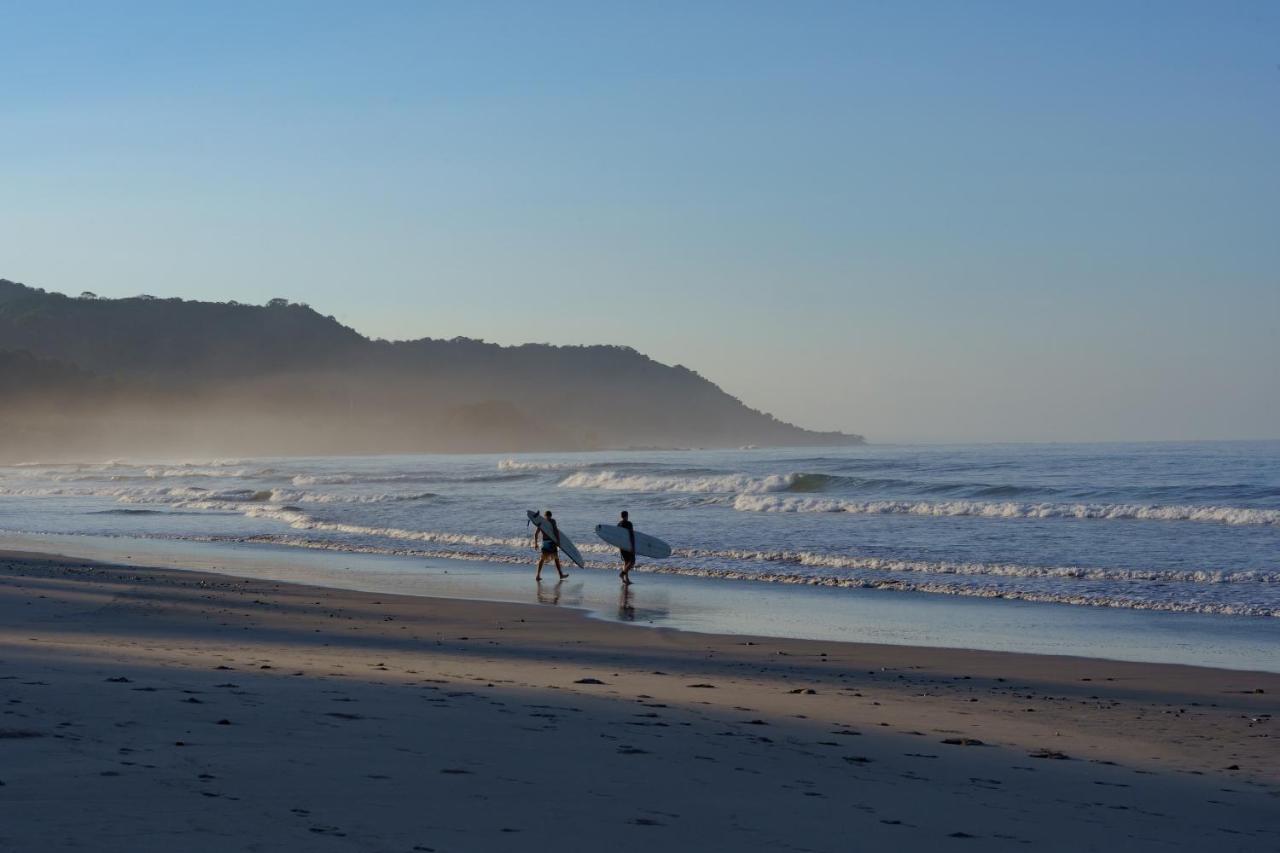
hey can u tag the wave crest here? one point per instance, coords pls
(711, 484)
(1008, 509)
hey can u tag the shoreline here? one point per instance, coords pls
(726, 606)
(913, 654)
(253, 714)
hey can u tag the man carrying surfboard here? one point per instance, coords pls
(550, 545)
(631, 543)
(628, 555)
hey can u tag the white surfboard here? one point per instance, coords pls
(646, 545)
(570, 550)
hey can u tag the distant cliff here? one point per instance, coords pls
(168, 375)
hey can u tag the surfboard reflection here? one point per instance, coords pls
(648, 605)
(639, 607)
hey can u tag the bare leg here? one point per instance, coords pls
(559, 570)
(542, 558)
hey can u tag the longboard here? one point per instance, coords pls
(562, 541)
(646, 545)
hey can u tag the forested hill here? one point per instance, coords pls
(283, 378)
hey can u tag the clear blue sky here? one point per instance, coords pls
(921, 221)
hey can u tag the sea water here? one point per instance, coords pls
(1181, 528)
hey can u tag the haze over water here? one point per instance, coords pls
(1170, 527)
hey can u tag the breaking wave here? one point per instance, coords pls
(510, 465)
(884, 565)
(1221, 514)
(348, 479)
(517, 465)
(710, 484)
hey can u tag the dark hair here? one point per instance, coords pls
(547, 513)
(624, 514)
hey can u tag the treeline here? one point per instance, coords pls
(282, 378)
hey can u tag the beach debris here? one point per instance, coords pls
(1049, 753)
(706, 686)
(963, 741)
(120, 679)
(588, 681)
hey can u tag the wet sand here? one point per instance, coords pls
(152, 709)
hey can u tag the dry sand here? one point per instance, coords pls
(151, 709)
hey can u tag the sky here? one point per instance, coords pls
(918, 221)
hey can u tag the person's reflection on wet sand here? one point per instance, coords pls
(551, 596)
(626, 610)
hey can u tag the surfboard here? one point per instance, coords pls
(646, 545)
(570, 550)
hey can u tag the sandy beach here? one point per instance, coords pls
(156, 709)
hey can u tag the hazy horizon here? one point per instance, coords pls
(922, 224)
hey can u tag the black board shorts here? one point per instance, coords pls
(628, 557)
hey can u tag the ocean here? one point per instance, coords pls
(1190, 528)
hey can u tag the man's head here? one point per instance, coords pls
(547, 513)
(624, 515)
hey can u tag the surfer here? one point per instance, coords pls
(628, 556)
(550, 546)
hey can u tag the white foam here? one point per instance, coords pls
(303, 521)
(348, 479)
(1086, 598)
(886, 565)
(294, 497)
(518, 465)
(984, 509)
(724, 483)
(158, 473)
